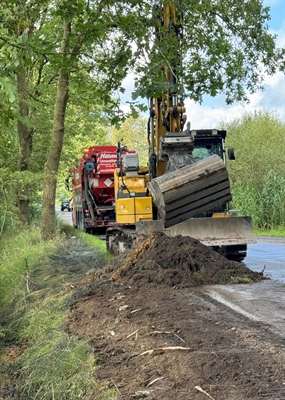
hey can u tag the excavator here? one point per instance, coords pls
(185, 188)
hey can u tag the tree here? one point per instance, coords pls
(52, 163)
(78, 34)
(225, 46)
(23, 67)
(30, 35)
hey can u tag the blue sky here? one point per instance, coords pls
(214, 110)
(277, 8)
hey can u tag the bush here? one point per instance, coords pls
(265, 206)
(35, 212)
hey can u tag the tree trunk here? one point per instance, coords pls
(48, 227)
(25, 135)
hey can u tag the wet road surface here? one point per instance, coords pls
(263, 301)
(269, 254)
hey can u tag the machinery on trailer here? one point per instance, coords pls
(185, 189)
(93, 196)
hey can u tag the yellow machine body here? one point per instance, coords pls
(132, 202)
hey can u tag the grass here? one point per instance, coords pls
(18, 252)
(240, 279)
(34, 298)
(279, 232)
(90, 240)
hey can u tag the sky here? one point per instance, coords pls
(213, 111)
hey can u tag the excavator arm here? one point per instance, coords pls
(180, 186)
(180, 193)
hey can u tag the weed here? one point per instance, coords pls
(239, 279)
(198, 277)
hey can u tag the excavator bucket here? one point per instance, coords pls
(225, 231)
(189, 191)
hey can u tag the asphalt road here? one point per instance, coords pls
(264, 301)
(65, 215)
(267, 254)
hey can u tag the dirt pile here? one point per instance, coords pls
(179, 260)
(158, 343)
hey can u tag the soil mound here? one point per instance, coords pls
(154, 342)
(178, 261)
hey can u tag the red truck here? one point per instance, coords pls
(93, 197)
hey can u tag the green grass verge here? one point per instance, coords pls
(90, 240)
(280, 232)
(34, 297)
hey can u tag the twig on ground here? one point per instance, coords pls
(203, 391)
(179, 338)
(52, 391)
(158, 332)
(165, 349)
(133, 333)
(155, 380)
(118, 391)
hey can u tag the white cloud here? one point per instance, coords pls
(272, 98)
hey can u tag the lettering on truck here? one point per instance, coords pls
(107, 163)
(114, 156)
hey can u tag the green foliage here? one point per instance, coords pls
(7, 206)
(30, 36)
(225, 46)
(18, 250)
(67, 366)
(245, 200)
(258, 139)
(258, 174)
(35, 212)
(240, 280)
(266, 207)
(278, 232)
(272, 201)
(8, 165)
(198, 277)
(134, 134)
(92, 241)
